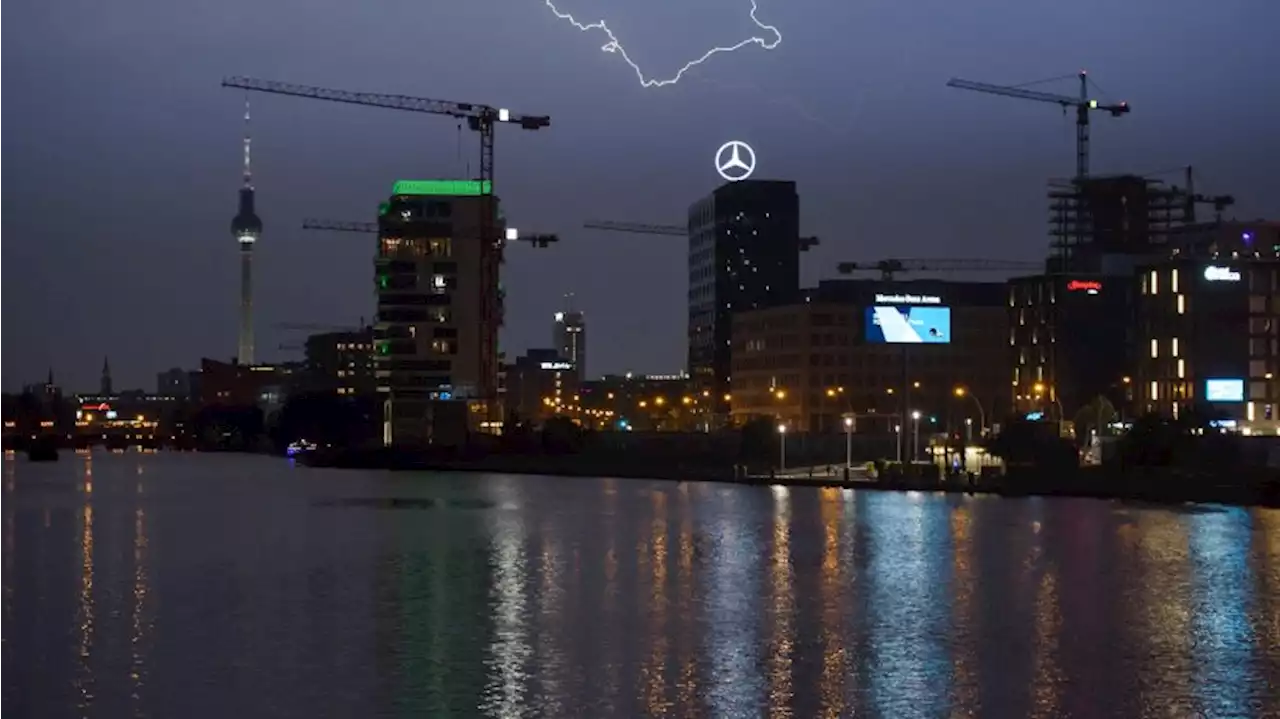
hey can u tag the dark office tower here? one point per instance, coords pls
(439, 310)
(105, 384)
(246, 228)
(744, 254)
(570, 337)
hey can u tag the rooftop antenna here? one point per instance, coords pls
(248, 140)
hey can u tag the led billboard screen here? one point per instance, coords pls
(900, 324)
(1224, 390)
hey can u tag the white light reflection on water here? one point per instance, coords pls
(550, 596)
(733, 639)
(911, 616)
(85, 611)
(140, 617)
(507, 685)
(1223, 635)
(781, 608)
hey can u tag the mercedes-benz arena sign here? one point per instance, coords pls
(1213, 273)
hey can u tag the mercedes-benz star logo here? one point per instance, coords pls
(735, 160)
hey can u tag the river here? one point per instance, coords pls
(198, 585)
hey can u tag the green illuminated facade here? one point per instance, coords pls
(448, 188)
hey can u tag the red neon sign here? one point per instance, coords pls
(1093, 287)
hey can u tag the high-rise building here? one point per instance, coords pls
(569, 333)
(439, 310)
(744, 254)
(246, 228)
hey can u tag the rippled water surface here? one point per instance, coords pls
(183, 585)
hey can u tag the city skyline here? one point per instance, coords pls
(117, 230)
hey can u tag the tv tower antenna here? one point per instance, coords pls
(246, 228)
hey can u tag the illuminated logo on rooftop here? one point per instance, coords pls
(735, 161)
(1091, 287)
(1214, 273)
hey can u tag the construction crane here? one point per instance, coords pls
(309, 327)
(1220, 202)
(541, 240)
(481, 119)
(888, 268)
(1082, 104)
(639, 228)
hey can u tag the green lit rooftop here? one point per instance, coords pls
(444, 188)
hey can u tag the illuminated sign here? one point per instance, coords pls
(557, 365)
(444, 188)
(908, 300)
(1092, 287)
(908, 325)
(1224, 390)
(735, 160)
(1214, 273)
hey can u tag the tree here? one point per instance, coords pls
(1098, 414)
(758, 443)
(1023, 441)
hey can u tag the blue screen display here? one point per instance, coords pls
(908, 324)
(1224, 390)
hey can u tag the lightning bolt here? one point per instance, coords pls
(613, 46)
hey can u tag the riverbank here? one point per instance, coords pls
(1156, 485)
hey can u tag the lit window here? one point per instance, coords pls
(1155, 390)
(1173, 280)
(1175, 347)
(1182, 369)
(1155, 282)
(1155, 348)
(1182, 304)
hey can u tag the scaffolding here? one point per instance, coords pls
(1120, 214)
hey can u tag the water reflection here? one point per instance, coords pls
(732, 613)
(196, 586)
(509, 649)
(831, 683)
(781, 608)
(1223, 634)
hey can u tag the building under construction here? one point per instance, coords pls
(1094, 219)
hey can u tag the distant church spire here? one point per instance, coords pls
(105, 387)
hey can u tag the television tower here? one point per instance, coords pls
(246, 228)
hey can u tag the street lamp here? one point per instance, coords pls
(982, 414)
(848, 442)
(782, 448)
(915, 435)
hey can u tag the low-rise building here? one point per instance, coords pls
(875, 349)
(340, 362)
(539, 385)
(1208, 325)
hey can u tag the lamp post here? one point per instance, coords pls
(982, 414)
(782, 448)
(848, 442)
(915, 435)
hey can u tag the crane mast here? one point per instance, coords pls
(891, 267)
(1082, 104)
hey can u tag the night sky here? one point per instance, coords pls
(121, 151)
